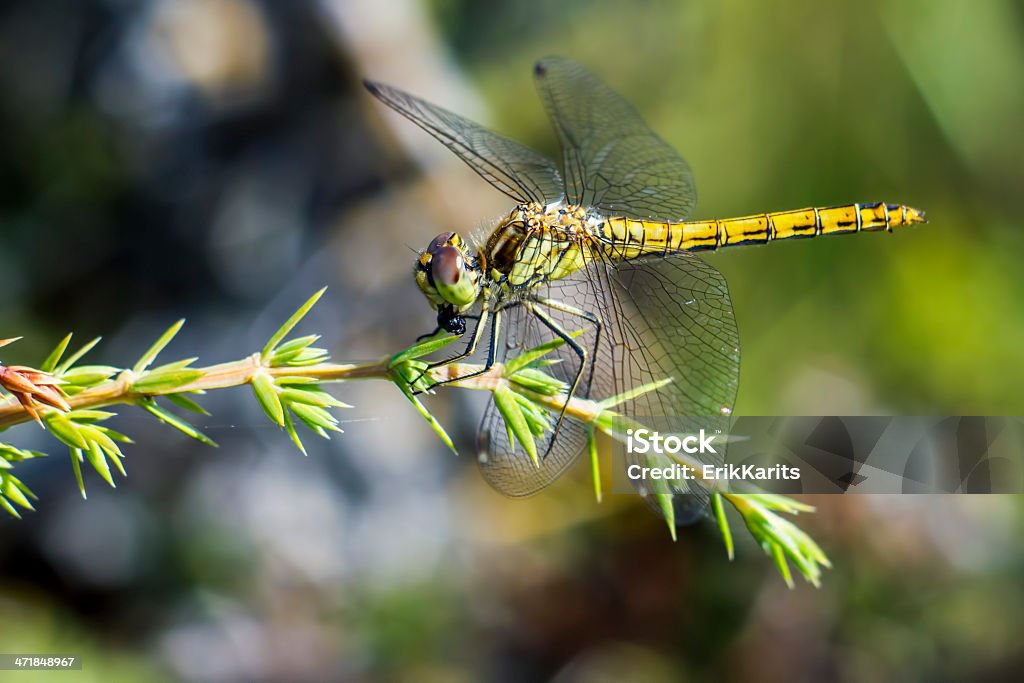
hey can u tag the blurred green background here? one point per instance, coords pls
(218, 160)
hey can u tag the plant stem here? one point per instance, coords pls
(241, 372)
(220, 376)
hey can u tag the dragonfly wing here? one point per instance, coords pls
(505, 465)
(518, 171)
(661, 318)
(671, 318)
(510, 470)
(611, 159)
(674, 319)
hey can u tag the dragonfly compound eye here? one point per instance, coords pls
(451, 277)
(441, 241)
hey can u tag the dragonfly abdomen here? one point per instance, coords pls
(627, 238)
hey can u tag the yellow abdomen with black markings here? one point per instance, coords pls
(626, 238)
(538, 243)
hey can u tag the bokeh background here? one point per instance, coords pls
(218, 160)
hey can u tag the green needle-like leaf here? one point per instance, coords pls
(316, 418)
(411, 375)
(295, 380)
(89, 375)
(173, 420)
(97, 438)
(595, 463)
(176, 365)
(10, 490)
(423, 348)
(723, 523)
(76, 458)
(119, 465)
(527, 357)
(158, 382)
(51, 361)
(296, 344)
(780, 561)
(289, 427)
(779, 537)
(304, 358)
(663, 496)
(266, 395)
(668, 511)
(10, 509)
(313, 398)
(538, 381)
(74, 358)
(24, 489)
(150, 355)
(511, 411)
(65, 430)
(10, 454)
(774, 501)
(94, 454)
(283, 331)
(431, 420)
(787, 537)
(115, 435)
(536, 416)
(292, 349)
(183, 401)
(89, 416)
(633, 393)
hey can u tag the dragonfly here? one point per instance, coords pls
(598, 252)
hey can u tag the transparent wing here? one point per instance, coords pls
(518, 171)
(662, 317)
(672, 318)
(611, 160)
(506, 467)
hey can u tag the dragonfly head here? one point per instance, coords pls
(449, 277)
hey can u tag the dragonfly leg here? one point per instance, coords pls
(569, 340)
(471, 347)
(590, 317)
(488, 364)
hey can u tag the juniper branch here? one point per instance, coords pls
(287, 378)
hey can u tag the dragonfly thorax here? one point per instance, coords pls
(528, 246)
